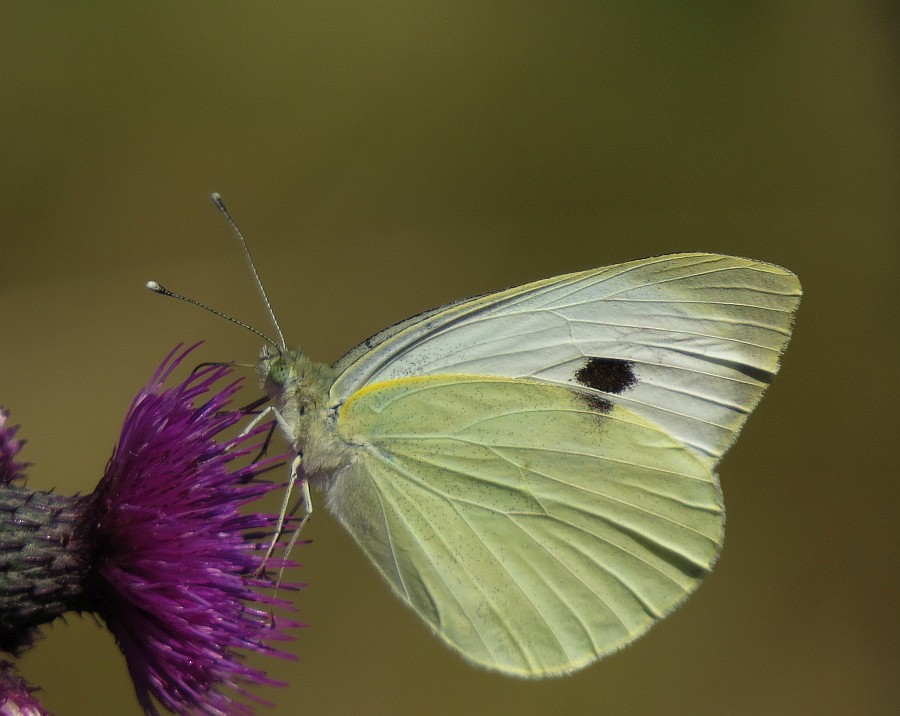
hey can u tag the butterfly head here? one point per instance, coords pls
(288, 373)
(276, 368)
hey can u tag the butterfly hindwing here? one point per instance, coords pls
(532, 527)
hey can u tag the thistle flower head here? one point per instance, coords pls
(162, 550)
(173, 569)
(9, 447)
(16, 697)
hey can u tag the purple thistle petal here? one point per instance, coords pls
(173, 570)
(16, 697)
(9, 448)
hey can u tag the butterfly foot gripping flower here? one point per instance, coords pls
(161, 550)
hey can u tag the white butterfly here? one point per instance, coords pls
(532, 471)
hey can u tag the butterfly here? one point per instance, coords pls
(533, 471)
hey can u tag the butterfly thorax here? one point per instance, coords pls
(300, 388)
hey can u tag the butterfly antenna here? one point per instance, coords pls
(220, 205)
(162, 290)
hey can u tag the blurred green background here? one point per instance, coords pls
(384, 158)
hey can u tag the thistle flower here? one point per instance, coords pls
(160, 550)
(9, 447)
(16, 698)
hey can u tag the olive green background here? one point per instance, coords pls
(384, 158)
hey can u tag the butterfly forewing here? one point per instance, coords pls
(701, 333)
(533, 528)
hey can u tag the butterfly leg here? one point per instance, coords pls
(306, 503)
(285, 503)
(292, 479)
(263, 414)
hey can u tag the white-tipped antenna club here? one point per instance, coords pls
(162, 290)
(220, 205)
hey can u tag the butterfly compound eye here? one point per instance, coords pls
(279, 372)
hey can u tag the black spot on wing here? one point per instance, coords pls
(596, 402)
(608, 375)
